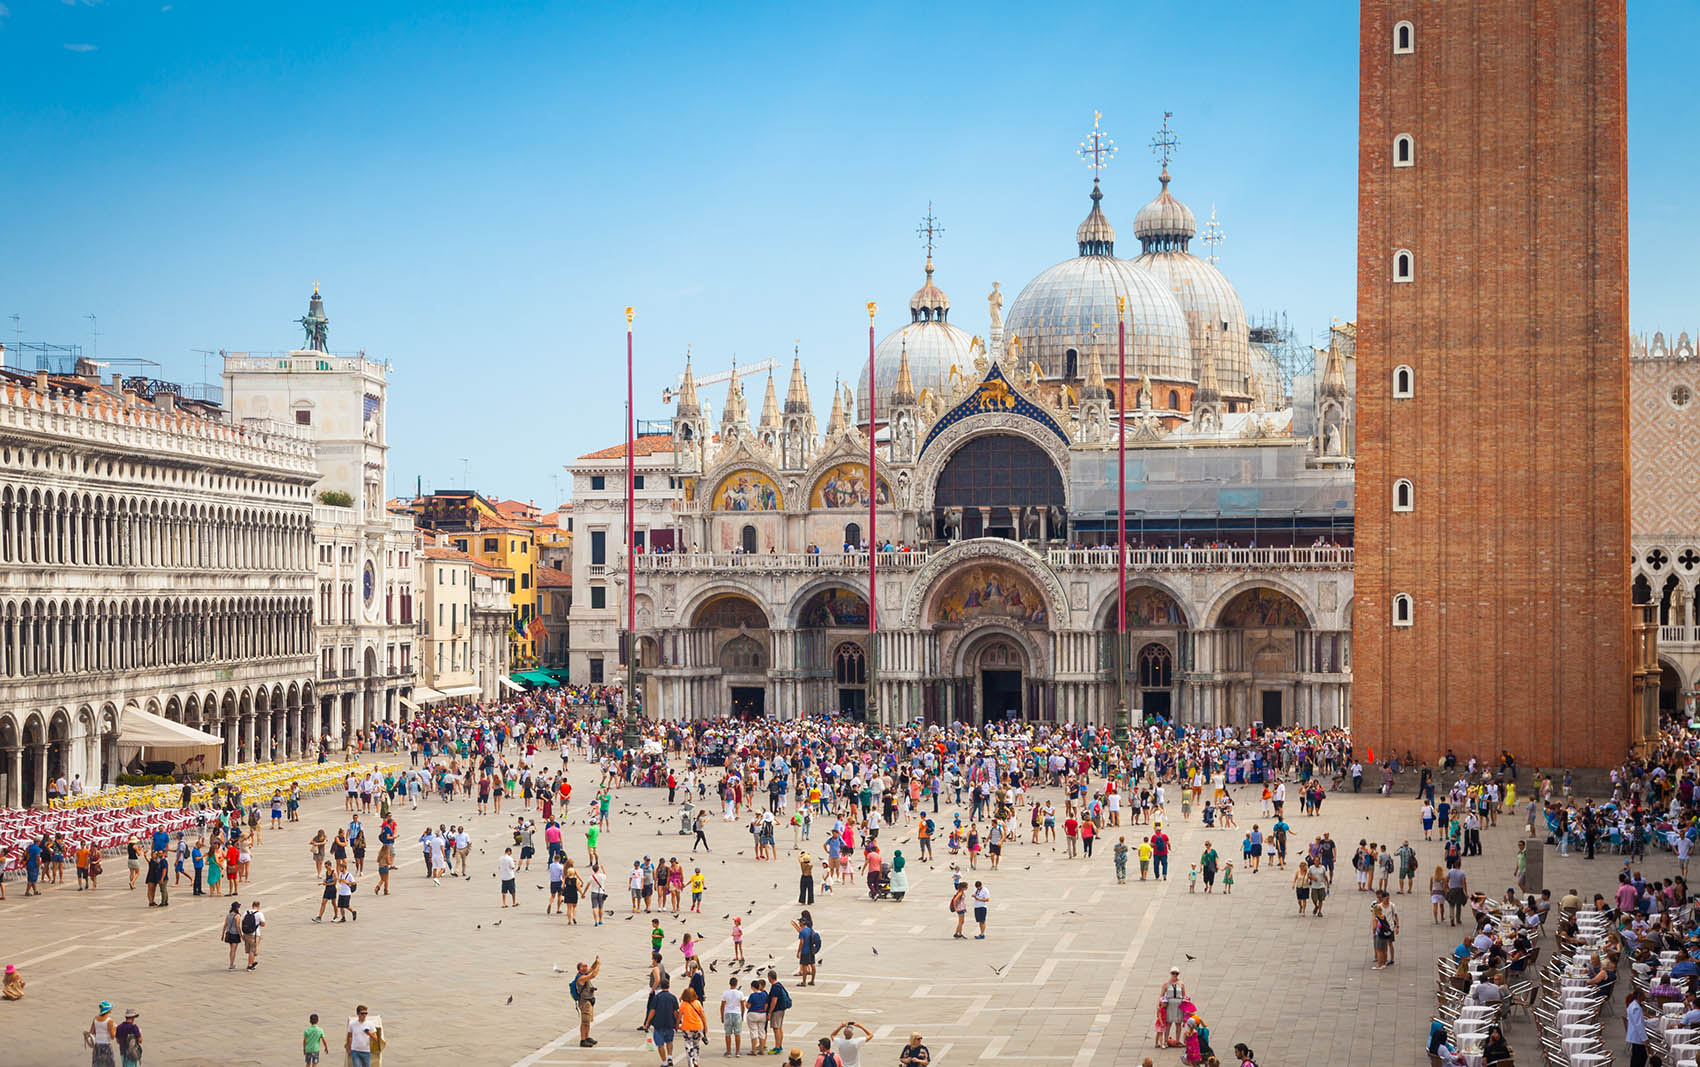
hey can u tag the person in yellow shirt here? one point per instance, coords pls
(1144, 857)
(698, 884)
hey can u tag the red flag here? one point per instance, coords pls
(1372, 755)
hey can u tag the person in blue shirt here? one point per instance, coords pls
(32, 869)
(161, 841)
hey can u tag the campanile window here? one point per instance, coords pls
(1404, 38)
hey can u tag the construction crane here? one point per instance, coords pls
(669, 395)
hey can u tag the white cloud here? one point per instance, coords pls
(81, 47)
(167, 7)
(4, 11)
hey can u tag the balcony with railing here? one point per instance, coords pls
(1678, 635)
(1064, 559)
(1205, 559)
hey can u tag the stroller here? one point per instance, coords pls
(886, 884)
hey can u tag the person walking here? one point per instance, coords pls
(959, 908)
(101, 1035)
(982, 902)
(129, 1036)
(313, 1041)
(345, 887)
(505, 872)
(732, 1017)
(808, 948)
(806, 881)
(662, 1021)
(358, 1042)
(253, 921)
(231, 932)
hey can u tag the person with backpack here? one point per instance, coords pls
(253, 921)
(808, 947)
(583, 991)
(778, 1003)
(231, 933)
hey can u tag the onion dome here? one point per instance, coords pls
(1165, 224)
(1215, 318)
(931, 345)
(1070, 307)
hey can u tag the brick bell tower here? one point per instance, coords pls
(1492, 590)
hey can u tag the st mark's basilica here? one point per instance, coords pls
(995, 488)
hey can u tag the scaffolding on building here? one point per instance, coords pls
(1272, 332)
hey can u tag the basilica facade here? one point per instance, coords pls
(994, 505)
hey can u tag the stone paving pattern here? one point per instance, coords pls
(1067, 975)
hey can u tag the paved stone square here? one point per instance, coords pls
(1067, 975)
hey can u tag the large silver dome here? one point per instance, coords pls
(1215, 317)
(933, 344)
(1070, 308)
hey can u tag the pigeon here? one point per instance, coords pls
(998, 970)
(876, 952)
(480, 926)
(714, 966)
(1189, 955)
(728, 915)
(498, 922)
(556, 968)
(510, 998)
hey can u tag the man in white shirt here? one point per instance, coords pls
(505, 872)
(251, 940)
(358, 1041)
(732, 1018)
(848, 1047)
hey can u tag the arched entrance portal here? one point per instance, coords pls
(999, 485)
(1265, 630)
(1000, 669)
(1156, 680)
(1670, 689)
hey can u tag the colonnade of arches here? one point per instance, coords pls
(267, 722)
(42, 637)
(50, 526)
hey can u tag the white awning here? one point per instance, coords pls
(509, 683)
(164, 739)
(424, 694)
(463, 691)
(406, 703)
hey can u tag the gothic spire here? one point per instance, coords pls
(770, 406)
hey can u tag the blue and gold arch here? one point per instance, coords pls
(994, 396)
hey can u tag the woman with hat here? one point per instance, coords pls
(14, 988)
(130, 1040)
(100, 1036)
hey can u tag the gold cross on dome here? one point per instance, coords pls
(1163, 145)
(929, 229)
(1098, 148)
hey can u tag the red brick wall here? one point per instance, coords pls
(1517, 327)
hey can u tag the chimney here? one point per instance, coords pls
(164, 401)
(41, 382)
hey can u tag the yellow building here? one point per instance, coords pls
(479, 528)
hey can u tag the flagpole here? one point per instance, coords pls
(873, 713)
(1121, 727)
(631, 541)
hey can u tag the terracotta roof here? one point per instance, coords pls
(647, 445)
(448, 555)
(494, 572)
(550, 578)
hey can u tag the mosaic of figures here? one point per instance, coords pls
(746, 490)
(835, 608)
(988, 590)
(1149, 608)
(846, 486)
(1266, 608)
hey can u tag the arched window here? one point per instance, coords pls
(1174, 400)
(849, 668)
(743, 653)
(1071, 363)
(1402, 609)
(1404, 39)
(1156, 667)
(748, 538)
(853, 535)
(1404, 151)
(1402, 266)
(1403, 378)
(1403, 495)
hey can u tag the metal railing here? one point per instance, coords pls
(1205, 559)
(778, 561)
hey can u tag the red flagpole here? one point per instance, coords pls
(1121, 509)
(873, 530)
(631, 533)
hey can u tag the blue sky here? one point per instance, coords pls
(480, 189)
